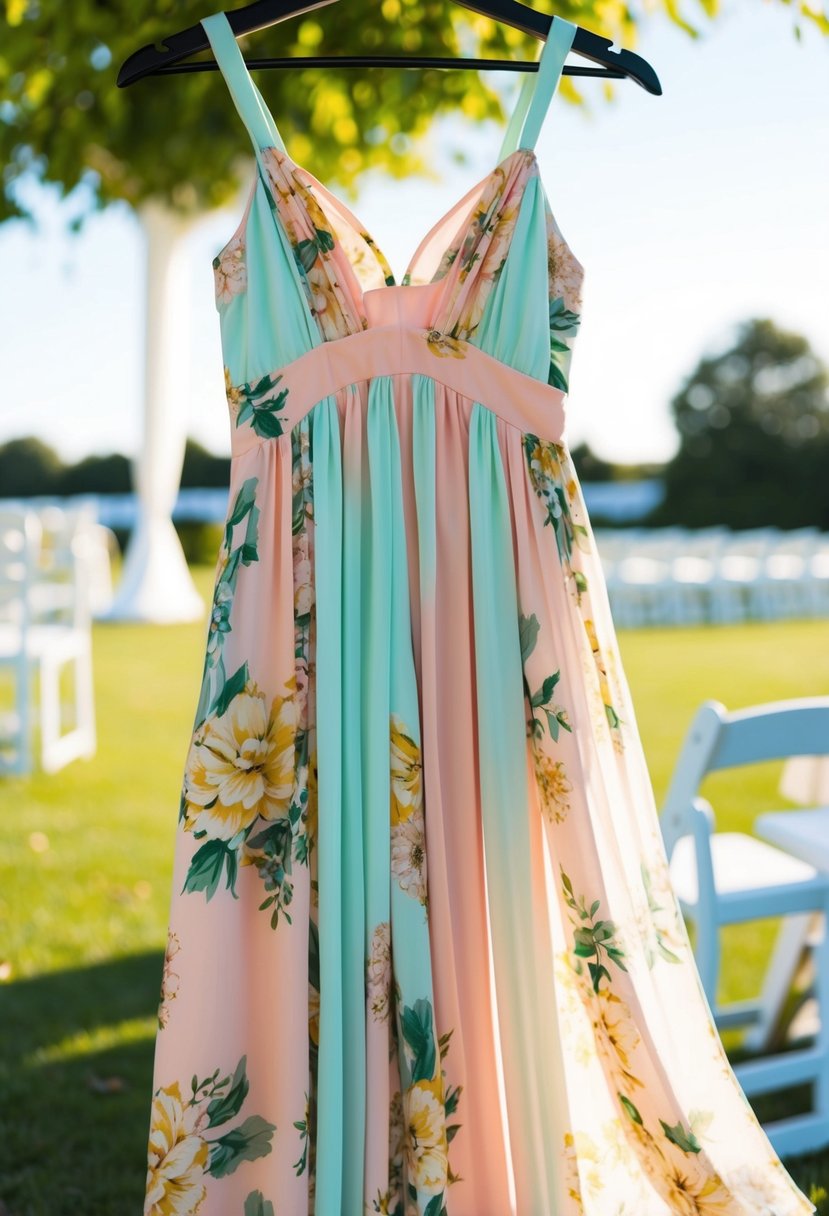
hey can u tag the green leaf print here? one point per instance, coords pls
(686, 1140)
(528, 628)
(630, 1109)
(252, 1139)
(260, 401)
(417, 1031)
(274, 865)
(593, 940)
(229, 560)
(232, 687)
(435, 1206)
(257, 1205)
(221, 1109)
(207, 866)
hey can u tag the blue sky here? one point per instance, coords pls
(690, 213)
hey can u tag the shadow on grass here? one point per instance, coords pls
(71, 1147)
(76, 1057)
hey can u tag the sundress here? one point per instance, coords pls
(424, 957)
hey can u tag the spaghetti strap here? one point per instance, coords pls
(551, 61)
(510, 141)
(248, 100)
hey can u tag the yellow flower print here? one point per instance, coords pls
(169, 978)
(311, 806)
(616, 1032)
(406, 772)
(177, 1157)
(427, 1155)
(694, 1196)
(571, 1162)
(233, 394)
(378, 973)
(441, 344)
(230, 270)
(241, 764)
(553, 785)
(604, 687)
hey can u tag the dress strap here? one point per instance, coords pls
(510, 141)
(249, 101)
(550, 63)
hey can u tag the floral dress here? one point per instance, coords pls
(424, 958)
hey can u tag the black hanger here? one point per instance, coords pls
(155, 60)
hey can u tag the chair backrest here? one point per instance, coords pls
(20, 533)
(718, 740)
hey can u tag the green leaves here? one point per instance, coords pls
(417, 1031)
(207, 866)
(244, 1143)
(594, 940)
(257, 1205)
(225, 1107)
(528, 628)
(687, 1141)
(260, 402)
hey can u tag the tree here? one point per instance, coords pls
(29, 466)
(590, 466)
(178, 138)
(753, 424)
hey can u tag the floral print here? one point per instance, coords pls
(230, 270)
(408, 842)
(240, 765)
(181, 1153)
(170, 979)
(392, 960)
(378, 973)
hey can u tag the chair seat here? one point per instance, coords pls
(56, 639)
(741, 863)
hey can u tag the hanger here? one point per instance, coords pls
(166, 57)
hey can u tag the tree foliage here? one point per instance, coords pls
(753, 427)
(179, 138)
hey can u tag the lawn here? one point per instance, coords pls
(86, 866)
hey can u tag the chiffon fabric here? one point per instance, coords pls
(424, 958)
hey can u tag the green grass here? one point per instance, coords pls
(86, 865)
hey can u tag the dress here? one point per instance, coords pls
(424, 958)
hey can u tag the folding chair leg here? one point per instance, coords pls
(707, 955)
(785, 960)
(49, 711)
(85, 699)
(822, 990)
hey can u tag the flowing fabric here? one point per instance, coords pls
(424, 958)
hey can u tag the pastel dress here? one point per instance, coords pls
(424, 957)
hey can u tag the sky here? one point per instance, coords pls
(691, 212)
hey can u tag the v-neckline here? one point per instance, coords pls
(474, 194)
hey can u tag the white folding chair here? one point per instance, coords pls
(730, 877)
(45, 624)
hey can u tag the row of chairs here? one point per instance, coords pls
(55, 572)
(679, 576)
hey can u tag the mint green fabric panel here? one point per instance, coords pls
(328, 584)
(551, 62)
(246, 96)
(274, 290)
(358, 881)
(515, 326)
(395, 724)
(528, 1029)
